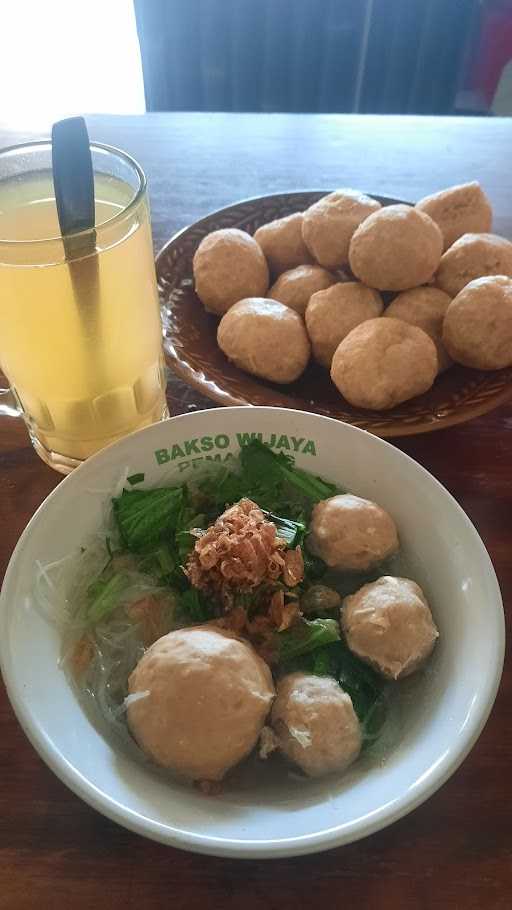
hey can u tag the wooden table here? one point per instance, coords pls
(456, 850)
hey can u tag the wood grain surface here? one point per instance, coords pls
(454, 852)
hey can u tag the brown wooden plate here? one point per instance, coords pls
(191, 348)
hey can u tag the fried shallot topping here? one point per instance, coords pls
(241, 554)
(293, 570)
(240, 551)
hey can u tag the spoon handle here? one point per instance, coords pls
(73, 180)
(73, 176)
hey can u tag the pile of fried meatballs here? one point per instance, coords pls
(311, 284)
(202, 698)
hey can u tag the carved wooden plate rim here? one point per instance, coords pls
(458, 395)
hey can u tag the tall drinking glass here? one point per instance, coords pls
(80, 337)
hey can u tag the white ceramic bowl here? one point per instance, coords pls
(441, 713)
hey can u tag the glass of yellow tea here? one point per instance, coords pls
(85, 367)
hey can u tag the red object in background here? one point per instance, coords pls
(493, 50)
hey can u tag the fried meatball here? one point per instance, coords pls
(228, 265)
(477, 329)
(383, 362)
(315, 724)
(458, 210)
(333, 313)
(295, 287)
(282, 243)
(473, 256)
(426, 308)
(395, 249)
(388, 623)
(319, 599)
(265, 338)
(208, 695)
(351, 534)
(329, 224)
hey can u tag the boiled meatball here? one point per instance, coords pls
(388, 623)
(295, 287)
(333, 313)
(351, 534)
(473, 256)
(383, 362)
(228, 265)
(477, 329)
(395, 249)
(208, 695)
(426, 308)
(282, 243)
(458, 210)
(265, 338)
(315, 724)
(329, 224)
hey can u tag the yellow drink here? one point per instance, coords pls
(87, 368)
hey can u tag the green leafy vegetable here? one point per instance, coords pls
(293, 532)
(193, 607)
(373, 721)
(135, 478)
(183, 538)
(219, 488)
(185, 543)
(166, 561)
(364, 685)
(307, 636)
(159, 562)
(268, 478)
(312, 487)
(260, 464)
(322, 662)
(144, 517)
(106, 595)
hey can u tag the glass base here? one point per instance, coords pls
(64, 464)
(61, 463)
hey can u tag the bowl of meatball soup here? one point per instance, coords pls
(252, 632)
